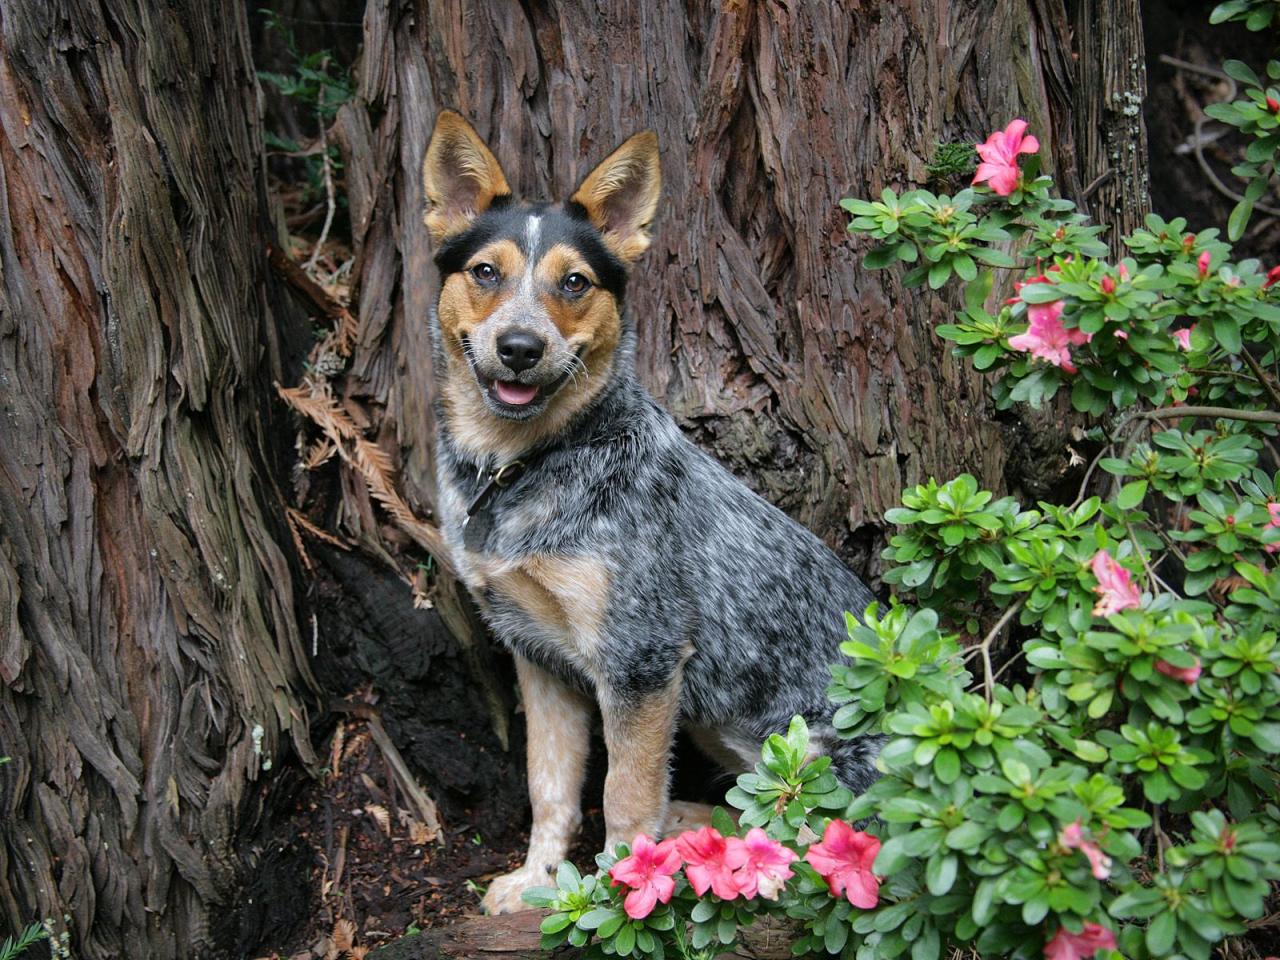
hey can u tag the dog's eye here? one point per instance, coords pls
(485, 273)
(574, 283)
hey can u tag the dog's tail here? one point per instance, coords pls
(854, 761)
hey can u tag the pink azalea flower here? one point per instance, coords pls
(1115, 591)
(1202, 264)
(999, 167)
(648, 873)
(844, 859)
(1183, 337)
(710, 860)
(1047, 338)
(766, 869)
(1121, 334)
(1066, 945)
(1188, 675)
(1072, 837)
(1274, 510)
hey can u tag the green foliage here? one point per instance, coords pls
(1258, 116)
(788, 790)
(12, 948)
(950, 160)
(1255, 14)
(1147, 735)
(320, 86)
(318, 82)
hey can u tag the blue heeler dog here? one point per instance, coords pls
(619, 562)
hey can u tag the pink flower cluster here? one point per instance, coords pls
(1047, 338)
(1274, 510)
(1072, 837)
(1066, 945)
(1114, 589)
(751, 866)
(999, 166)
(1188, 675)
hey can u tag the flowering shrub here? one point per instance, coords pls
(1106, 780)
(694, 892)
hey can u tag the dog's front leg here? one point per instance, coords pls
(638, 732)
(558, 723)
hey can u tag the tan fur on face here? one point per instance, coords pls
(593, 320)
(621, 195)
(460, 176)
(464, 303)
(638, 737)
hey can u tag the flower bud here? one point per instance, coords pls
(1108, 285)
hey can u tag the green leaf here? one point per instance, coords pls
(625, 941)
(702, 911)
(940, 873)
(555, 922)
(976, 293)
(947, 765)
(966, 836)
(1131, 494)
(1238, 220)
(1242, 72)
(880, 257)
(1226, 330)
(939, 273)
(1161, 933)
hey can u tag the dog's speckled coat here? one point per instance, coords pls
(623, 566)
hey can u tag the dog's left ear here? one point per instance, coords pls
(460, 176)
(621, 195)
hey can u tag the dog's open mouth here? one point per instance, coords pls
(513, 394)
(511, 398)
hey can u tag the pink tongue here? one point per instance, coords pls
(516, 394)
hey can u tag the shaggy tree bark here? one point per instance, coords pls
(1111, 133)
(820, 383)
(149, 643)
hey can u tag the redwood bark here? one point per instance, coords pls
(150, 651)
(1111, 91)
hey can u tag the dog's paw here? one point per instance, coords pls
(504, 893)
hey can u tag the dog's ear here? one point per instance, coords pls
(621, 195)
(460, 176)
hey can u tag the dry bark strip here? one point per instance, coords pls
(1111, 91)
(150, 654)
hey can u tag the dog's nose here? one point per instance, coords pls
(520, 349)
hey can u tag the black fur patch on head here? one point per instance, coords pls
(506, 219)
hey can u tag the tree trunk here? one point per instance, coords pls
(820, 383)
(149, 639)
(1112, 88)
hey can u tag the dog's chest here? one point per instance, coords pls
(545, 604)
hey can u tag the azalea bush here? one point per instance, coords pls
(1079, 702)
(790, 853)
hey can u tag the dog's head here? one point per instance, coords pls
(530, 306)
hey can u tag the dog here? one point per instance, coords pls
(621, 565)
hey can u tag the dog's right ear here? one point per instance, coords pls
(460, 177)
